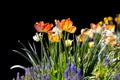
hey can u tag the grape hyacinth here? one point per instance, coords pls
(93, 54)
(117, 76)
(106, 62)
(73, 73)
(31, 74)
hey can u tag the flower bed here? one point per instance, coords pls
(94, 54)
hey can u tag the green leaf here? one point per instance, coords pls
(22, 55)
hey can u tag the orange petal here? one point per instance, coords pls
(57, 23)
(80, 38)
(72, 29)
(93, 26)
(47, 27)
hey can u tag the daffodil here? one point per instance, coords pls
(117, 19)
(109, 27)
(37, 37)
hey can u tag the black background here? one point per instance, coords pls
(18, 19)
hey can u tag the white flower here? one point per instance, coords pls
(37, 37)
(57, 31)
(108, 33)
(87, 32)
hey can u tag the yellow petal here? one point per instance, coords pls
(80, 38)
(68, 42)
(91, 44)
(110, 18)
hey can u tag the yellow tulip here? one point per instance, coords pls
(91, 44)
(68, 42)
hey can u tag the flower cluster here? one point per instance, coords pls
(73, 73)
(31, 74)
(93, 54)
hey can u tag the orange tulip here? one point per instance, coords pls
(41, 27)
(96, 27)
(66, 25)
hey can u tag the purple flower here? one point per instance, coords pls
(73, 73)
(66, 73)
(73, 67)
(106, 62)
(30, 73)
(79, 71)
(46, 77)
(18, 76)
(117, 76)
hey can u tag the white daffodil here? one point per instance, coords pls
(37, 37)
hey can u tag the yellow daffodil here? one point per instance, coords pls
(110, 18)
(110, 27)
(117, 19)
(106, 20)
(100, 23)
(109, 39)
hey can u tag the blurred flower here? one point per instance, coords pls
(97, 75)
(117, 19)
(96, 27)
(106, 62)
(109, 27)
(117, 76)
(31, 74)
